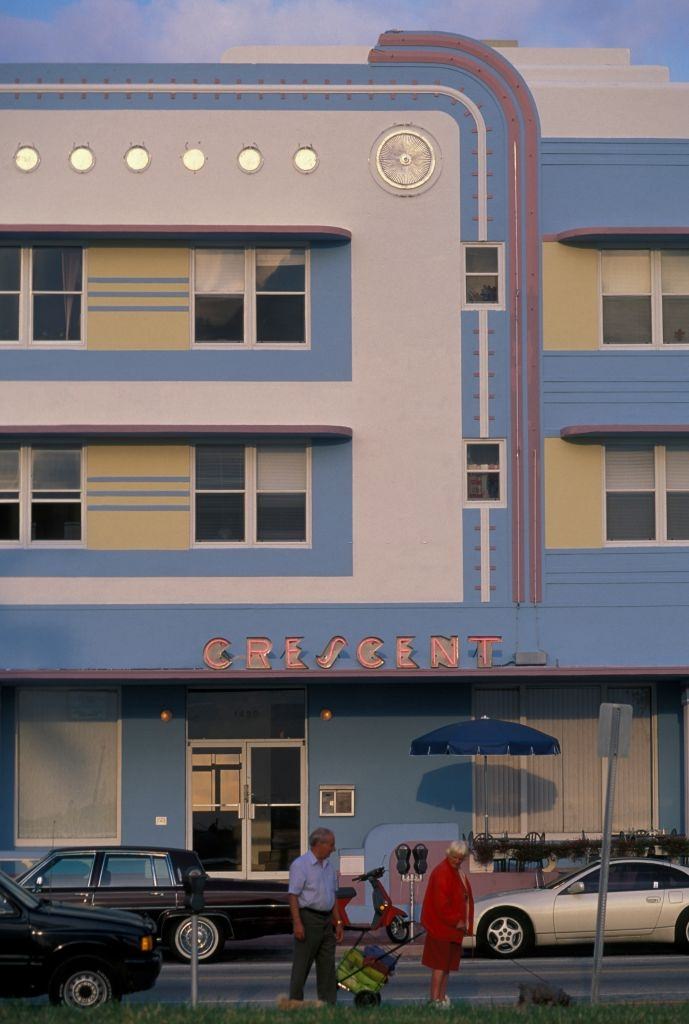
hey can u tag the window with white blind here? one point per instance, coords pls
(645, 297)
(41, 294)
(252, 494)
(67, 766)
(41, 495)
(647, 495)
(250, 296)
(484, 479)
(563, 793)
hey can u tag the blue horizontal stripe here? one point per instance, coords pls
(135, 479)
(138, 280)
(144, 295)
(138, 309)
(138, 508)
(136, 494)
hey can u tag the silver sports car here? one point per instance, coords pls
(648, 901)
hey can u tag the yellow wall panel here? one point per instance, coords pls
(573, 494)
(138, 330)
(122, 476)
(157, 277)
(137, 261)
(570, 297)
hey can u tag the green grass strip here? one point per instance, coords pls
(156, 1013)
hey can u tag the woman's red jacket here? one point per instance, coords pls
(448, 904)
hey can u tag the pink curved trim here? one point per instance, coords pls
(593, 234)
(175, 430)
(315, 231)
(513, 96)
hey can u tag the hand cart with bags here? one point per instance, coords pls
(364, 971)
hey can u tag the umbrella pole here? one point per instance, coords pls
(485, 795)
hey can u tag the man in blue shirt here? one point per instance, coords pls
(317, 928)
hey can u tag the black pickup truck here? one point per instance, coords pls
(149, 881)
(81, 957)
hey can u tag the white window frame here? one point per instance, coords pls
(25, 497)
(656, 294)
(340, 788)
(500, 502)
(660, 494)
(79, 841)
(250, 502)
(26, 294)
(250, 293)
(500, 247)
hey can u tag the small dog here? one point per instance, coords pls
(542, 995)
(285, 1003)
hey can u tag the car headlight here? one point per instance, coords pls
(146, 943)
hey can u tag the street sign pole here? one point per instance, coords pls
(614, 733)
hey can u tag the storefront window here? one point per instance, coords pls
(246, 714)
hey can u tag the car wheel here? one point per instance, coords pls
(81, 986)
(209, 939)
(398, 929)
(505, 932)
(682, 932)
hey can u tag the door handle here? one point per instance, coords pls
(653, 899)
(252, 811)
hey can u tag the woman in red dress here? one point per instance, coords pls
(447, 916)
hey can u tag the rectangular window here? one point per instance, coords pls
(250, 296)
(10, 290)
(337, 801)
(484, 472)
(41, 495)
(251, 494)
(645, 297)
(67, 765)
(41, 294)
(483, 276)
(647, 495)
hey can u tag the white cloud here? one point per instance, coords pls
(200, 30)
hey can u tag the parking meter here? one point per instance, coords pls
(194, 881)
(403, 855)
(420, 854)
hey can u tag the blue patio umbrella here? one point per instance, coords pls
(483, 737)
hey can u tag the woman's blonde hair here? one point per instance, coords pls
(458, 848)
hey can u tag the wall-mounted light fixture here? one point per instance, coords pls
(166, 715)
(326, 714)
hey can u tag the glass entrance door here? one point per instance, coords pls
(246, 814)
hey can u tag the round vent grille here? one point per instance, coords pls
(405, 159)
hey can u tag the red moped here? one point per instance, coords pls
(385, 913)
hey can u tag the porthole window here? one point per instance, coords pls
(250, 159)
(27, 158)
(81, 159)
(137, 159)
(405, 160)
(306, 159)
(193, 159)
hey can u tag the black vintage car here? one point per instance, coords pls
(80, 957)
(149, 881)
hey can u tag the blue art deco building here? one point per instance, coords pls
(343, 394)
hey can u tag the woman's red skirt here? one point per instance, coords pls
(441, 955)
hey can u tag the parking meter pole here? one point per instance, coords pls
(605, 853)
(194, 959)
(411, 908)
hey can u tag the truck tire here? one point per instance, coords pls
(82, 985)
(211, 939)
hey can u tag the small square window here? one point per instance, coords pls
(337, 801)
(484, 462)
(482, 276)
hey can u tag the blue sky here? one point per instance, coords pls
(199, 30)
